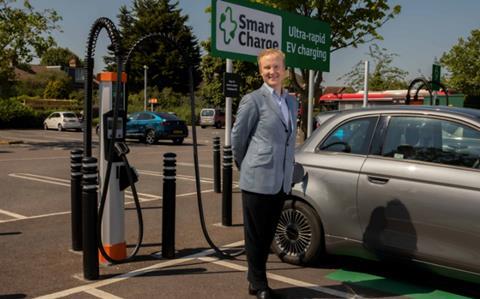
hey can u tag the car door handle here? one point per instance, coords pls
(377, 180)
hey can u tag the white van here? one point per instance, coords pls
(212, 117)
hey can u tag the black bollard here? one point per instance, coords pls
(76, 198)
(216, 165)
(89, 218)
(227, 186)
(168, 208)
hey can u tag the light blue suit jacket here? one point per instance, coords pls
(263, 144)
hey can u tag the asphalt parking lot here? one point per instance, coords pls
(37, 260)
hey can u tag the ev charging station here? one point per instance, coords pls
(112, 222)
(115, 173)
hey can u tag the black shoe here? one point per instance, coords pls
(252, 290)
(265, 293)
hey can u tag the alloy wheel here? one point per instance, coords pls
(294, 233)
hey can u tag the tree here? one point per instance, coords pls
(36, 85)
(59, 56)
(56, 89)
(31, 38)
(166, 68)
(213, 69)
(463, 62)
(384, 76)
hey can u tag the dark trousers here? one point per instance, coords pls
(261, 213)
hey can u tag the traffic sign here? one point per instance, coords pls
(241, 29)
(153, 101)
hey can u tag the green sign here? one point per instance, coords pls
(436, 77)
(241, 29)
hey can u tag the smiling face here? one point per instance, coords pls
(272, 70)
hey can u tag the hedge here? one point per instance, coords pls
(13, 114)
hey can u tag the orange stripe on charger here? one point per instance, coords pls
(110, 77)
(116, 251)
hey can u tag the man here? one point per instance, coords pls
(263, 143)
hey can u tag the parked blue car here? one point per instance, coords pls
(149, 127)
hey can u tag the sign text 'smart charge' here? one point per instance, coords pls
(241, 29)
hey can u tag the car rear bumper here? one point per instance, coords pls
(68, 125)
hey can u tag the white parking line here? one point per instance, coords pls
(36, 178)
(181, 176)
(178, 176)
(131, 274)
(143, 197)
(101, 294)
(160, 197)
(33, 159)
(64, 182)
(36, 216)
(203, 256)
(11, 214)
(281, 278)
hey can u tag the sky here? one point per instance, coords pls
(423, 31)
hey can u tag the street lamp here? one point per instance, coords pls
(145, 68)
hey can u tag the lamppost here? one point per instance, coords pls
(145, 68)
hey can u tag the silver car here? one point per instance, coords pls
(398, 181)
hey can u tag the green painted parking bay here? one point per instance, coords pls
(391, 286)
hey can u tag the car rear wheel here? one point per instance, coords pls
(218, 125)
(299, 234)
(150, 137)
(45, 126)
(60, 128)
(177, 140)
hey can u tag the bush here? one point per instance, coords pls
(57, 89)
(36, 84)
(13, 114)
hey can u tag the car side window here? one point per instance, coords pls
(144, 116)
(432, 140)
(70, 115)
(55, 115)
(351, 137)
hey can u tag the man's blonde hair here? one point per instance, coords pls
(266, 52)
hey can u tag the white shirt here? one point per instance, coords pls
(281, 101)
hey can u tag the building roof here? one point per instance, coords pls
(21, 74)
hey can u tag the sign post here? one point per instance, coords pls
(152, 101)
